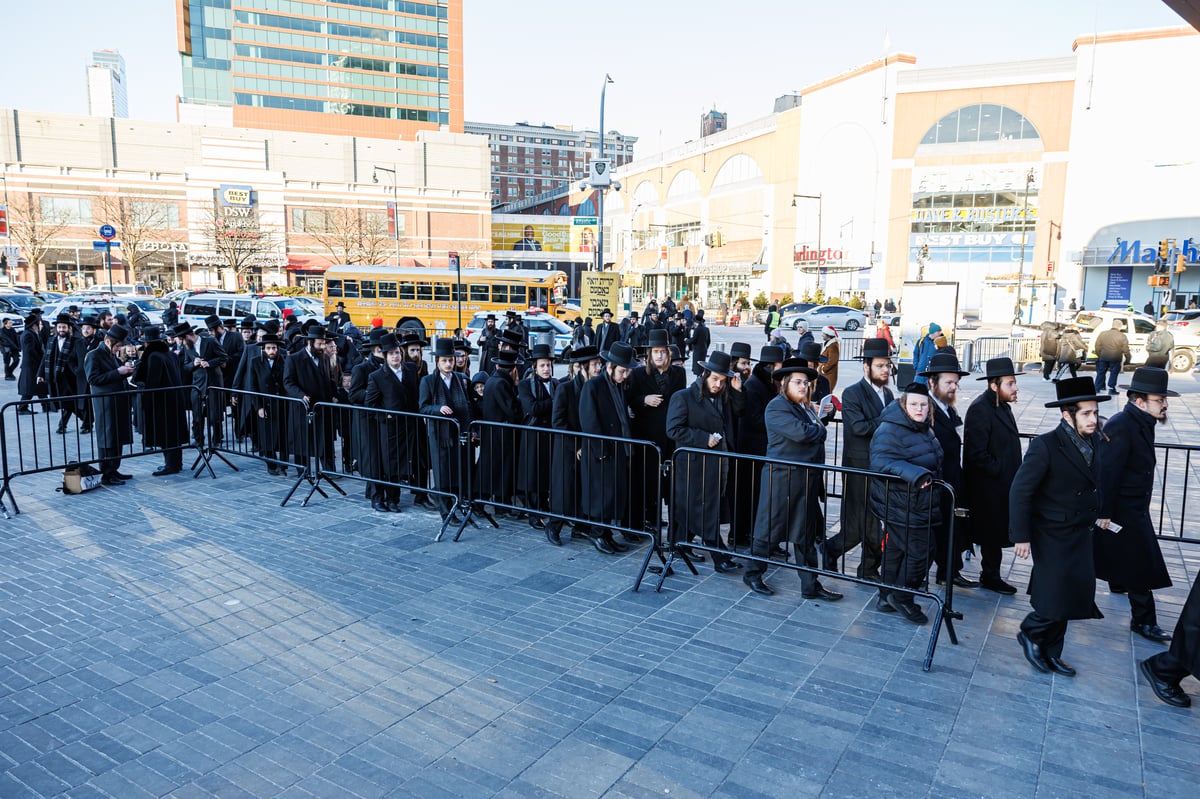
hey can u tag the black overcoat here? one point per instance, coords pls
(789, 497)
(1131, 558)
(1185, 644)
(861, 412)
(564, 472)
(650, 424)
(62, 371)
(606, 334)
(991, 457)
(445, 448)
(206, 348)
(31, 364)
(163, 416)
(604, 462)
(110, 400)
(537, 408)
(498, 446)
(395, 433)
(698, 485)
(266, 378)
(304, 378)
(364, 444)
(1053, 506)
(752, 427)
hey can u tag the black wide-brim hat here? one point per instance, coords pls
(117, 332)
(541, 352)
(811, 352)
(64, 319)
(181, 329)
(770, 353)
(875, 348)
(1076, 390)
(719, 362)
(998, 367)
(943, 363)
(507, 360)
(271, 338)
(658, 338)
(794, 366)
(739, 349)
(620, 354)
(511, 338)
(317, 332)
(1150, 380)
(412, 339)
(444, 348)
(584, 354)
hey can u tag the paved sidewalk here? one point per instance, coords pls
(191, 638)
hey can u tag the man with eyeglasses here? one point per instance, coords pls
(1131, 560)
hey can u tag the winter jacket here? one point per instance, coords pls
(910, 451)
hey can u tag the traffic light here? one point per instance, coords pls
(1180, 266)
(708, 240)
(1164, 248)
(3, 265)
(1158, 281)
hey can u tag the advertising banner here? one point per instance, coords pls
(554, 234)
(600, 290)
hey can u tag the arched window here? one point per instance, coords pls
(586, 208)
(980, 123)
(739, 168)
(646, 194)
(564, 210)
(684, 186)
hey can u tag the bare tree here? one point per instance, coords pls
(351, 235)
(137, 221)
(239, 242)
(32, 230)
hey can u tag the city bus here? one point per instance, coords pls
(429, 298)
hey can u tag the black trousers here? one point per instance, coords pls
(905, 558)
(1048, 634)
(859, 526)
(1048, 367)
(11, 360)
(1141, 607)
(762, 548)
(990, 558)
(173, 459)
(110, 461)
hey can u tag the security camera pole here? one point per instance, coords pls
(601, 179)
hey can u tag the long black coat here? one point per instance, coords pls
(207, 349)
(650, 424)
(498, 445)
(700, 342)
(62, 370)
(31, 364)
(1185, 644)
(564, 470)
(163, 416)
(232, 344)
(945, 429)
(1053, 504)
(537, 407)
(752, 427)
(303, 378)
(991, 457)
(606, 334)
(910, 451)
(1132, 557)
(395, 433)
(698, 486)
(604, 462)
(266, 378)
(789, 497)
(861, 412)
(445, 449)
(241, 382)
(110, 400)
(364, 444)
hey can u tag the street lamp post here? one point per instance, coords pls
(599, 264)
(820, 208)
(375, 170)
(1021, 266)
(1053, 288)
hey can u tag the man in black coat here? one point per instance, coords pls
(498, 446)
(604, 462)
(386, 391)
(607, 332)
(203, 360)
(701, 417)
(991, 457)
(564, 417)
(10, 343)
(1164, 670)
(862, 405)
(415, 369)
(650, 390)
(271, 414)
(364, 444)
(164, 407)
(632, 332)
(32, 349)
(535, 392)
(489, 343)
(1131, 560)
(62, 364)
(943, 374)
(1054, 504)
(89, 330)
(244, 417)
(751, 439)
(446, 394)
(699, 342)
(305, 378)
(108, 379)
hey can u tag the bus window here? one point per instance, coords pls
(516, 295)
(538, 297)
(333, 288)
(499, 292)
(387, 289)
(480, 292)
(407, 290)
(458, 292)
(424, 291)
(350, 289)
(441, 292)
(368, 289)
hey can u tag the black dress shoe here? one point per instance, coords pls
(755, 583)
(726, 565)
(394, 507)
(1060, 666)
(614, 545)
(124, 476)
(552, 535)
(997, 585)
(883, 606)
(163, 471)
(60, 430)
(423, 502)
(380, 506)
(112, 481)
(85, 430)
(601, 544)
(636, 540)
(908, 609)
(1170, 693)
(963, 582)
(1151, 632)
(824, 593)
(1033, 653)
(536, 523)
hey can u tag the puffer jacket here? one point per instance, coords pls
(911, 452)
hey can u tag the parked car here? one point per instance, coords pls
(790, 308)
(19, 303)
(17, 320)
(536, 324)
(842, 317)
(95, 303)
(1138, 326)
(194, 308)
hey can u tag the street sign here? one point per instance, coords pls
(108, 232)
(3, 221)
(453, 259)
(1050, 269)
(104, 245)
(12, 252)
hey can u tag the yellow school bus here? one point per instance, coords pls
(429, 297)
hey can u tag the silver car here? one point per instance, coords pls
(842, 317)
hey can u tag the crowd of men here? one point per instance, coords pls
(745, 441)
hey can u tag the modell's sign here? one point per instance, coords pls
(235, 196)
(1132, 252)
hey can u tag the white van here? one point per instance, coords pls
(195, 308)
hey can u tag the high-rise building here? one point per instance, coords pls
(532, 160)
(107, 96)
(381, 68)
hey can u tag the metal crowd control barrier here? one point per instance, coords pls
(789, 506)
(986, 348)
(272, 428)
(31, 444)
(391, 451)
(593, 482)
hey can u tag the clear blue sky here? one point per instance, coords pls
(545, 61)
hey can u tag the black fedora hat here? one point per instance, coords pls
(1076, 390)
(271, 338)
(444, 348)
(740, 349)
(181, 329)
(512, 338)
(317, 332)
(64, 319)
(606, 312)
(943, 363)
(541, 352)
(792, 366)
(211, 321)
(117, 332)
(585, 354)
(620, 354)
(152, 333)
(249, 322)
(676, 355)
(507, 360)
(658, 338)
(412, 338)
(1150, 380)
(998, 367)
(461, 345)
(770, 353)
(89, 320)
(389, 342)
(719, 363)
(811, 352)
(875, 348)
